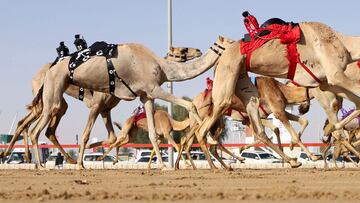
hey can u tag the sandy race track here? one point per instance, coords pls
(272, 185)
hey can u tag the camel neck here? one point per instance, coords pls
(185, 71)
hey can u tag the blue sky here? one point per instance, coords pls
(31, 30)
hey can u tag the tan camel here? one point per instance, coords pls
(319, 48)
(138, 72)
(98, 102)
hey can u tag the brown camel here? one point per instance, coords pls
(98, 102)
(139, 72)
(164, 125)
(319, 48)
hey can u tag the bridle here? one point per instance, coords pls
(217, 48)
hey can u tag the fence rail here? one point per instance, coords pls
(133, 145)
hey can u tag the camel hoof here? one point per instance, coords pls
(294, 164)
(329, 129)
(230, 169)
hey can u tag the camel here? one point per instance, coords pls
(138, 72)
(98, 102)
(274, 96)
(321, 48)
(164, 125)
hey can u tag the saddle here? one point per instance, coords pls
(97, 49)
(264, 31)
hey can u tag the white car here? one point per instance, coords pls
(199, 157)
(145, 159)
(16, 156)
(259, 157)
(93, 158)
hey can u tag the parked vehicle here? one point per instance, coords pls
(259, 157)
(16, 156)
(93, 158)
(199, 157)
(146, 153)
(145, 159)
(51, 160)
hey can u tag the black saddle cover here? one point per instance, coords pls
(97, 49)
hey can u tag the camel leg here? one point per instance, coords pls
(148, 104)
(124, 137)
(151, 157)
(106, 116)
(34, 135)
(302, 121)
(187, 151)
(336, 154)
(21, 126)
(159, 93)
(249, 145)
(323, 154)
(224, 149)
(217, 157)
(85, 136)
(27, 156)
(275, 129)
(283, 117)
(50, 131)
(116, 155)
(186, 141)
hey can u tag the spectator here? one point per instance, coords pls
(59, 160)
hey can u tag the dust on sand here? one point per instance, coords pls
(272, 185)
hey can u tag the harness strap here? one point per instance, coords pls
(126, 85)
(248, 59)
(111, 73)
(81, 93)
(263, 110)
(309, 71)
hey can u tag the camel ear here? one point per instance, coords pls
(221, 38)
(171, 49)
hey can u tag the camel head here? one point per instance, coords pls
(221, 44)
(182, 54)
(224, 42)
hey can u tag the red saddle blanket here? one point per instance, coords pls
(358, 63)
(139, 117)
(287, 34)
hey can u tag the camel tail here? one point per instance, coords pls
(179, 125)
(117, 125)
(36, 104)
